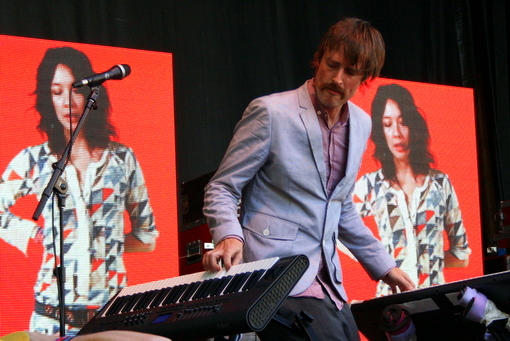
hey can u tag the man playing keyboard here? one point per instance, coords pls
(292, 163)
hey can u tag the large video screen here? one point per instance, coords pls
(121, 198)
(424, 204)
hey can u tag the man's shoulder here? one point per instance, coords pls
(359, 117)
(285, 96)
(354, 109)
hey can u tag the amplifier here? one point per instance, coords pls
(194, 236)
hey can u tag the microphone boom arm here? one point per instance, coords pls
(59, 187)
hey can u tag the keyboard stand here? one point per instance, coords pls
(301, 324)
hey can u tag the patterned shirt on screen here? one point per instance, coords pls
(414, 234)
(93, 223)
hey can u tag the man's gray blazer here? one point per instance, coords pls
(275, 164)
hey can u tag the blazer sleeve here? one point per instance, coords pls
(246, 154)
(358, 238)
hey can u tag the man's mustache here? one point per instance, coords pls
(334, 87)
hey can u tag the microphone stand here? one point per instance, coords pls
(59, 187)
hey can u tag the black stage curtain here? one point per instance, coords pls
(227, 52)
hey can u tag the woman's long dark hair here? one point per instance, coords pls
(97, 128)
(420, 157)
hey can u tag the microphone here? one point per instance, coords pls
(119, 71)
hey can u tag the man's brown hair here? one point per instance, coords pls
(360, 43)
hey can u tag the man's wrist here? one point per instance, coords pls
(232, 236)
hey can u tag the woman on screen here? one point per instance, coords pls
(413, 204)
(104, 180)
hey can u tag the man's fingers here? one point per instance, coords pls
(231, 259)
(229, 250)
(211, 261)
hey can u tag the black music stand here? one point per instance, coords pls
(435, 311)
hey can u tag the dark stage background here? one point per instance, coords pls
(228, 52)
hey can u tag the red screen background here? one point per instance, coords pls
(142, 112)
(450, 115)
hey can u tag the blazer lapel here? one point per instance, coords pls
(313, 130)
(355, 134)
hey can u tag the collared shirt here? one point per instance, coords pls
(335, 141)
(93, 221)
(414, 234)
(335, 145)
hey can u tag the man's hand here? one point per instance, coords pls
(398, 278)
(229, 249)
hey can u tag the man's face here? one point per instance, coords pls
(335, 81)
